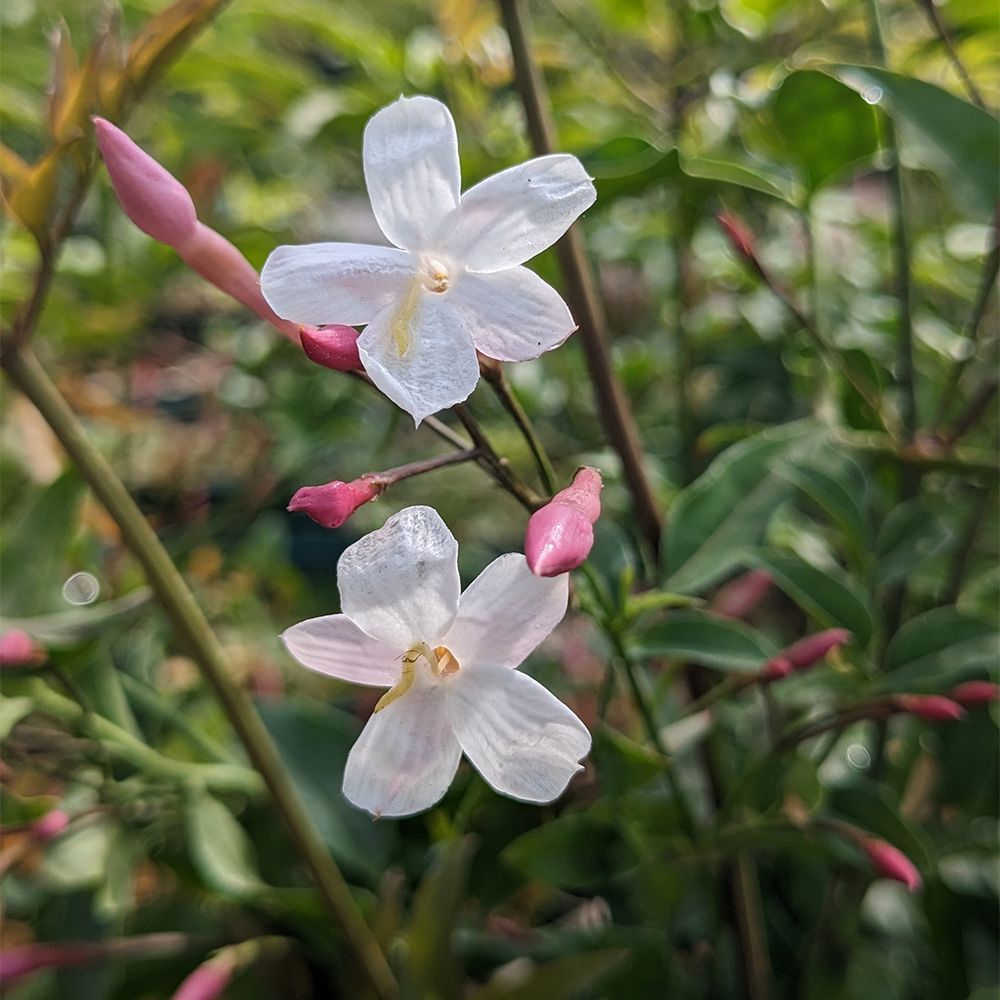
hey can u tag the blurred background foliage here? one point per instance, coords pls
(866, 519)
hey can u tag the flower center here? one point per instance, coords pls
(434, 274)
(442, 661)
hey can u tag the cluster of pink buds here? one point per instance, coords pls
(560, 535)
(804, 654)
(162, 208)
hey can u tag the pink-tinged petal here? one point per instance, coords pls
(333, 503)
(524, 741)
(505, 613)
(212, 256)
(412, 169)
(406, 756)
(932, 707)
(400, 583)
(334, 346)
(890, 862)
(326, 283)
(973, 693)
(516, 214)
(420, 354)
(335, 646)
(512, 315)
(149, 195)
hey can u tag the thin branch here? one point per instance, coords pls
(944, 36)
(615, 413)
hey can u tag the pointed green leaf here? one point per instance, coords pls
(701, 637)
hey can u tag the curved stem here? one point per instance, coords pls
(192, 628)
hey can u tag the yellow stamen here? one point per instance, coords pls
(443, 663)
(402, 322)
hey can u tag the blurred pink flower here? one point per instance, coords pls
(18, 649)
(890, 862)
(740, 596)
(207, 981)
(932, 707)
(975, 693)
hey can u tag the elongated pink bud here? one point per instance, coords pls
(333, 347)
(50, 825)
(207, 981)
(18, 649)
(221, 264)
(148, 193)
(777, 667)
(890, 862)
(973, 693)
(932, 707)
(813, 648)
(23, 959)
(560, 535)
(740, 596)
(333, 503)
(738, 233)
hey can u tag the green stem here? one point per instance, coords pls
(194, 631)
(612, 405)
(494, 374)
(128, 748)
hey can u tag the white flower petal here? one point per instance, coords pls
(520, 737)
(505, 613)
(406, 756)
(334, 645)
(412, 169)
(514, 215)
(345, 283)
(512, 315)
(420, 354)
(400, 583)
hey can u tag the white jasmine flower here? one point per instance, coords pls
(450, 664)
(452, 282)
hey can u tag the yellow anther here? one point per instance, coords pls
(402, 322)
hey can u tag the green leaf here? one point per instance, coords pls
(565, 977)
(827, 596)
(911, 536)
(575, 851)
(961, 141)
(35, 548)
(12, 711)
(725, 511)
(621, 763)
(821, 126)
(939, 648)
(432, 969)
(314, 743)
(755, 178)
(220, 848)
(77, 625)
(700, 637)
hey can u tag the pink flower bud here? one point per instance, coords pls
(221, 264)
(50, 825)
(333, 503)
(149, 195)
(813, 648)
(21, 960)
(932, 707)
(560, 535)
(975, 693)
(333, 347)
(890, 862)
(207, 981)
(740, 596)
(18, 649)
(740, 237)
(776, 668)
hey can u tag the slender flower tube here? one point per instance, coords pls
(449, 661)
(932, 707)
(452, 281)
(162, 208)
(813, 648)
(739, 597)
(49, 826)
(973, 693)
(738, 233)
(18, 649)
(890, 862)
(560, 535)
(208, 981)
(333, 503)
